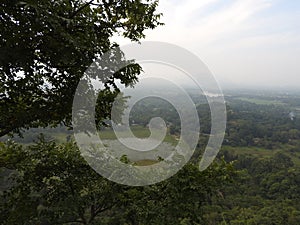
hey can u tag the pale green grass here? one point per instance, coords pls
(255, 151)
(138, 131)
(259, 101)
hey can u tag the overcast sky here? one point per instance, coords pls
(243, 42)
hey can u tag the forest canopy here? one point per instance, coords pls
(46, 46)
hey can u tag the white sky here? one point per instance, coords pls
(243, 42)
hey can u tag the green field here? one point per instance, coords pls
(260, 101)
(138, 131)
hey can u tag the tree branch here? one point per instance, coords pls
(6, 131)
(81, 8)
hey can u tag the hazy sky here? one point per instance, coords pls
(243, 42)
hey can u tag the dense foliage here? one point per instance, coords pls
(46, 46)
(266, 191)
(48, 183)
(248, 124)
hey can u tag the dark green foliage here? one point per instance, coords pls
(265, 191)
(248, 124)
(267, 126)
(52, 184)
(46, 46)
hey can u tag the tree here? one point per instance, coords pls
(46, 45)
(53, 184)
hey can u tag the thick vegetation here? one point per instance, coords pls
(48, 183)
(47, 45)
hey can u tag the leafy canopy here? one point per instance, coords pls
(50, 183)
(46, 45)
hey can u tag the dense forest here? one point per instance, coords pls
(254, 180)
(46, 47)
